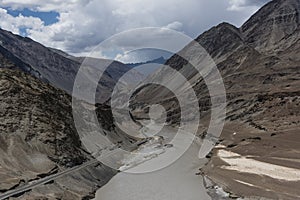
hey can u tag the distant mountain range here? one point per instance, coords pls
(160, 60)
(148, 67)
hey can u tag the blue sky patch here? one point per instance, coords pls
(48, 17)
(23, 31)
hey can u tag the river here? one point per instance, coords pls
(175, 182)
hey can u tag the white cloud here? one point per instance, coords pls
(175, 26)
(14, 24)
(41, 5)
(239, 5)
(142, 55)
(84, 24)
(236, 5)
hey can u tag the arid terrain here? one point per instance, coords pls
(257, 155)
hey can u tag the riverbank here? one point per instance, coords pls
(256, 165)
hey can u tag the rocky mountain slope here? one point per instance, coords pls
(54, 66)
(259, 63)
(38, 138)
(273, 24)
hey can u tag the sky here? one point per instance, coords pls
(77, 26)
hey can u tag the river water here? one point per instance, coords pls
(175, 182)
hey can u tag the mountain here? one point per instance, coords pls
(160, 60)
(54, 66)
(30, 148)
(148, 67)
(38, 138)
(260, 66)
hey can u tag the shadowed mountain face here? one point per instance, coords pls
(54, 66)
(260, 66)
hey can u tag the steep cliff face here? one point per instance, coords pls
(260, 67)
(38, 138)
(33, 110)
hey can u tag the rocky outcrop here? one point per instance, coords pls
(271, 24)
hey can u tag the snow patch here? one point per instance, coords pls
(248, 165)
